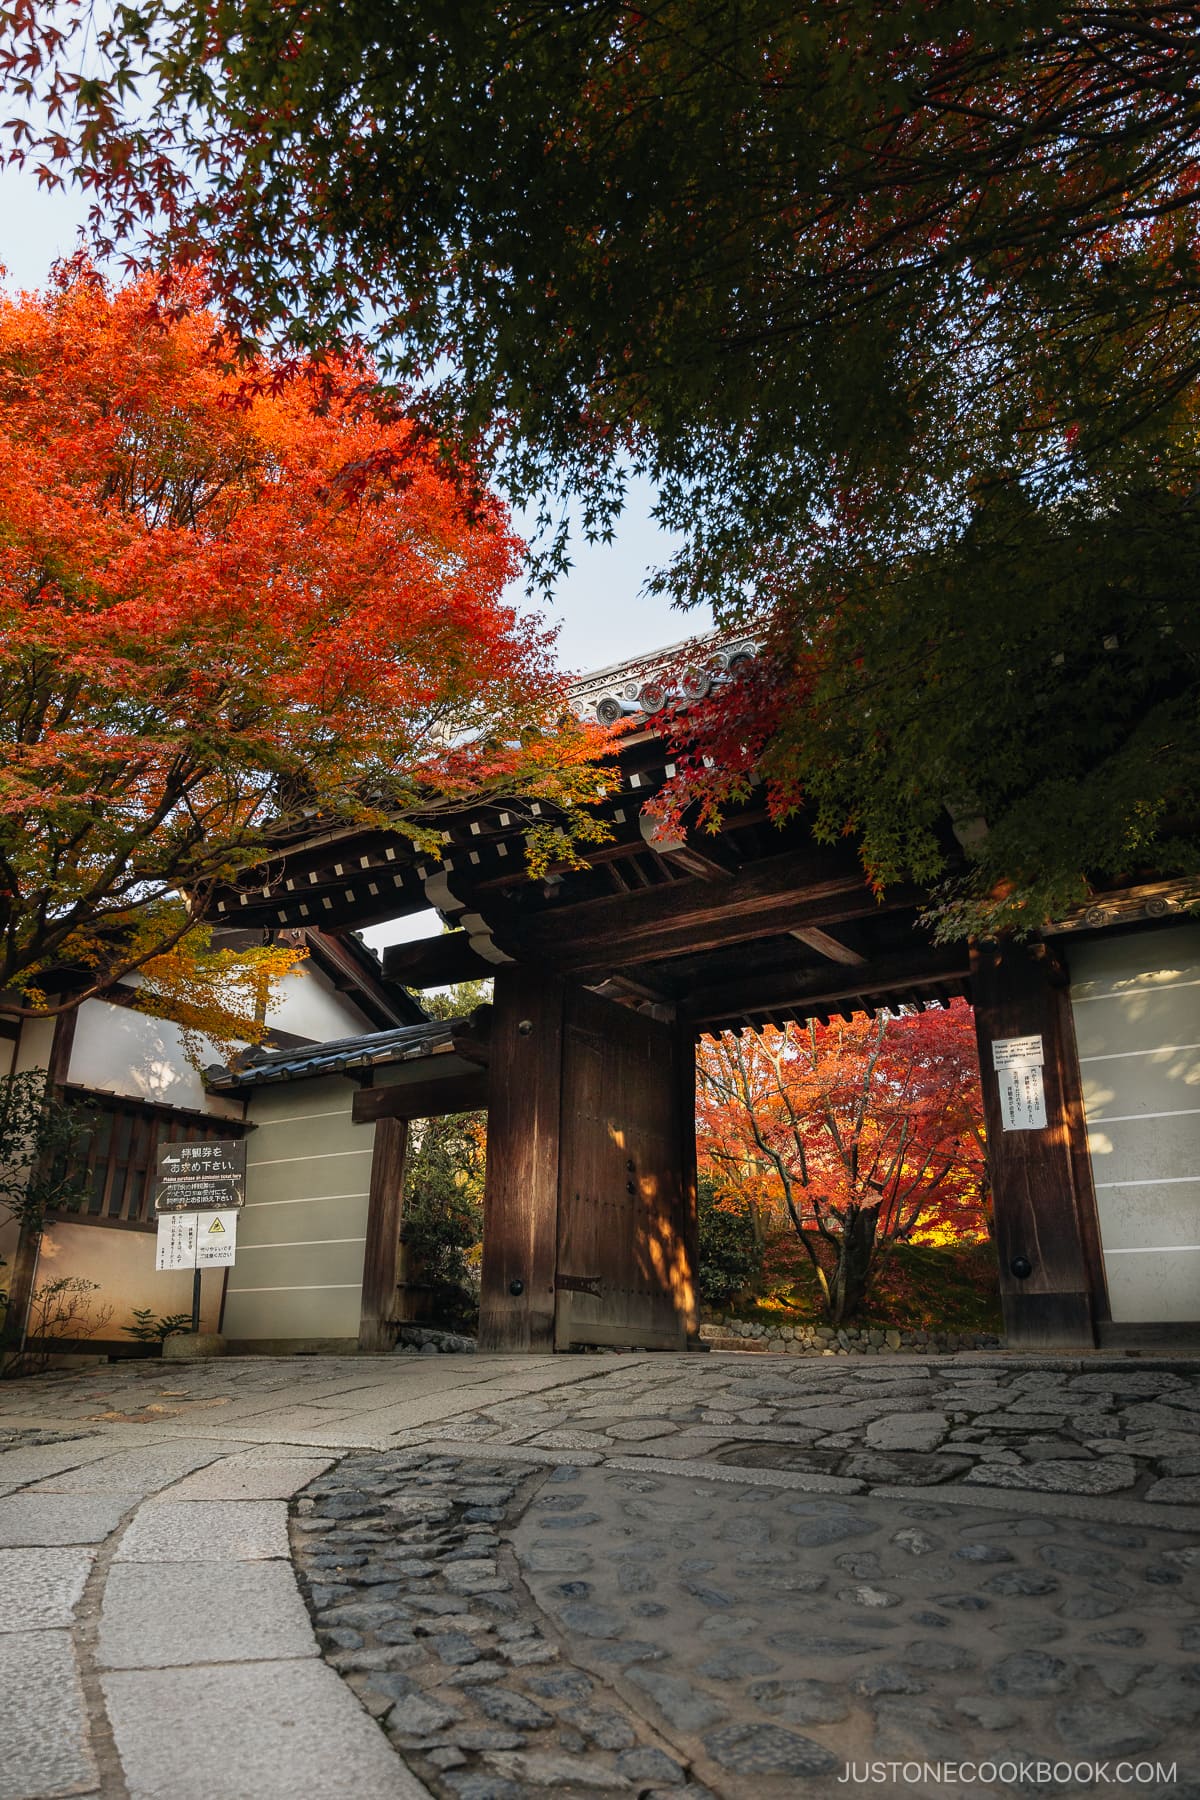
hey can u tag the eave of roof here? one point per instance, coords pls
(403, 1044)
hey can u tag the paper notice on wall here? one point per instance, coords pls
(176, 1241)
(1023, 1098)
(216, 1239)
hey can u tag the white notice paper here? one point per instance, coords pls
(1023, 1098)
(176, 1241)
(216, 1239)
(1016, 1053)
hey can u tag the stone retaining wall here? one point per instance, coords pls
(846, 1340)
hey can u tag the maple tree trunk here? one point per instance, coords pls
(851, 1275)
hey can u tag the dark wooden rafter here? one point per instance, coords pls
(708, 858)
(599, 937)
(897, 979)
(827, 945)
(427, 1099)
(325, 881)
(435, 962)
(510, 877)
(639, 859)
(626, 988)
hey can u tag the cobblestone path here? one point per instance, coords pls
(489, 1578)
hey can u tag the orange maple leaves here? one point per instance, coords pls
(231, 592)
(868, 1113)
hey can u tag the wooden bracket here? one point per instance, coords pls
(578, 1284)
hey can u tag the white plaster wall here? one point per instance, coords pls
(119, 1051)
(1136, 1005)
(35, 1044)
(302, 1232)
(310, 1006)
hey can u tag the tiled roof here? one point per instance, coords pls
(402, 1044)
(647, 683)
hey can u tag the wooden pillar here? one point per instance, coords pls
(1046, 1277)
(385, 1207)
(520, 1207)
(685, 1087)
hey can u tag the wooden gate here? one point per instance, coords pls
(624, 1273)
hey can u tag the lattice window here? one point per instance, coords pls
(119, 1151)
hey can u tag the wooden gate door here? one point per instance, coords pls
(624, 1274)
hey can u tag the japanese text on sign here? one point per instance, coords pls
(196, 1240)
(216, 1240)
(1018, 1065)
(209, 1177)
(176, 1241)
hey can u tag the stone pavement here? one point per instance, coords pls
(488, 1578)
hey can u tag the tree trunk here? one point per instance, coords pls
(852, 1273)
(20, 1288)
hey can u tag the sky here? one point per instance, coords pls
(601, 615)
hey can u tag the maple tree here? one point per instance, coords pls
(233, 594)
(896, 303)
(864, 1133)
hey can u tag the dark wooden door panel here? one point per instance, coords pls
(622, 1257)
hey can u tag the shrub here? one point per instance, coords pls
(731, 1255)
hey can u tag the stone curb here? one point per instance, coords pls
(493, 1450)
(1012, 1500)
(1089, 1508)
(703, 1470)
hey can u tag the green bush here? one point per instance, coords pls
(731, 1255)
(442, 1224)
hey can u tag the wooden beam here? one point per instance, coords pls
(520, 1216)
(1046, 1284)
(697, 861)
(685, 1100)
(422, 1099)
(1075, 1120)
(515, 873)
(1154, 900)
(471, 1047)
(826, 989)
(623, 988)
(381, 1251)
(708, 860)
(827, 945)
(683, 918)
(435, 962)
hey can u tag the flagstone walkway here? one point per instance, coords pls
(489, 1578)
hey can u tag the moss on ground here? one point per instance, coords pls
(922, 1287)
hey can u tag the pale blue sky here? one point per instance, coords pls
(597, 604)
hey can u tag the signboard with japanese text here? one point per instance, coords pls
(176, 1241)
(200, 1177)
(216, 1239)
(1022, 1098)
